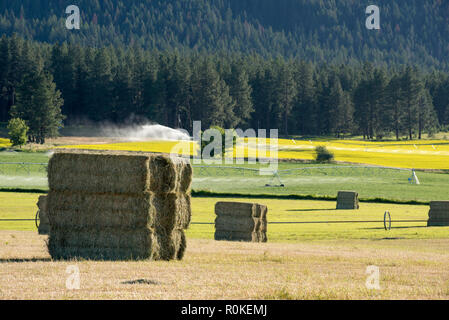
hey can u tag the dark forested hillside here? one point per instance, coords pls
(412, 31)
(306, 67)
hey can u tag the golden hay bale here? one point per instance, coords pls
(347, 200)
(115, 206)
(235, 209)
(103, 244)
(237, 221)
(98, 173)
(227, 223)
(118, 173)
(83, 210)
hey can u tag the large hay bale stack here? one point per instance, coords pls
(116, 207)
(44, 224)
(438, 214)
(237, 221)
(347, 200)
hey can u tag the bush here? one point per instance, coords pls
(17, 130)
(323, 155)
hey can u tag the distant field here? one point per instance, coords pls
(22, 205)
(4, 143)
(419, 154)
(324, 180)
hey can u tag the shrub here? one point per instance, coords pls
(323, 155)
(17, 130)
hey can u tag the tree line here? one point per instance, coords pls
(52, 85)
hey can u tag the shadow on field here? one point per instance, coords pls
(18, 260)
(311, 210)
(141, 281)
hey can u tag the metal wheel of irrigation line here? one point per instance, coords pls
(387, 221)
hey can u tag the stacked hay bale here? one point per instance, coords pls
(347, 200)
(44, 224)
(238, 221)
(119, 206)
(438, 214)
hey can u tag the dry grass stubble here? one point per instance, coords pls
(409, 269)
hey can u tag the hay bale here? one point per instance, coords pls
(226, 223)
(347, 200)
(118, 174)
(237, 236)
(171, 210)
(85, 210)
(438, 214)
(237, 221)
(44, 223)
(118, 207)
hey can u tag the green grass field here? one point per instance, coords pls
(23, 205)
(370, 183)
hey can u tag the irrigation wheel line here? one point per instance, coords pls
(328, 222)
(37, 218)
(387, 215)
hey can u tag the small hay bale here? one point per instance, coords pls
(44, 223)
(438, 214)
(347, 200)
(237, 221)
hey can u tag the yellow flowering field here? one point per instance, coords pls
(4, 143)
(424, 154)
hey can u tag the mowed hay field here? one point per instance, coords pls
(298, 262)
(418, 154)
(409, 269)
(23, 205)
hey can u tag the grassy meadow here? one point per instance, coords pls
(312, 179)
(23, 205)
